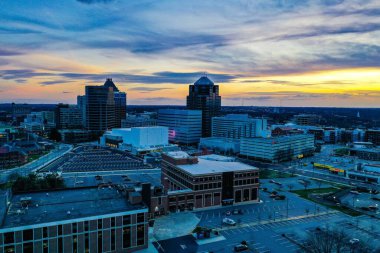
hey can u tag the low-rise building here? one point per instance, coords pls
(306, 119)
(11, 157)
(277, 149)
(372, 135)
(139, 120)
(372, 154)
(220, 145)
(78, 135)
(68, 117)
(39, 121)
(205, 181)
(236, 126)
(138, 140)
(368, 173)
(79, 220)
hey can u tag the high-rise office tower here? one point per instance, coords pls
(120, 102)
(185, 126)
(81, 103)
(204, 96)
(100, 108)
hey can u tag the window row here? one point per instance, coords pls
(62, 243)
(29, 234)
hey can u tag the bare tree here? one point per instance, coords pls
(326, 241)
(305, 184)
(290, 187)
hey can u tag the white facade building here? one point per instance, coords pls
(39, 121)
(185, 126)
(277, 149)
(239, 125)
(137, 140)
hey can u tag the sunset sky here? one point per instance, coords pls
(260, 52)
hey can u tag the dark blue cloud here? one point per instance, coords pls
(148, 89)
(55, 82)
(95, 1)
(296, 95)
(157, 42)
(7, 52)
(12, 74)
(330, 30)
(155, 78)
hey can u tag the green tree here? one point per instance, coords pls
(55, 135)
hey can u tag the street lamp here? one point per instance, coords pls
(353, 201)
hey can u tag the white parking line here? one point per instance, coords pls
(226, 232)
(253, 229)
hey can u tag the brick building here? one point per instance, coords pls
(205, 181)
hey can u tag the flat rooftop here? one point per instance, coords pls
(221, 140)
(211, 164)
(152, 176)
(65, 205)
(100, 160)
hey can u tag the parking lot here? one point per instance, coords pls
(362, 201)
(366, 229)
(94, 159)
(268, 209)
(260, 238)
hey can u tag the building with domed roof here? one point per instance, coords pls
(204, 96)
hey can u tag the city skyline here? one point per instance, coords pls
(268, 53)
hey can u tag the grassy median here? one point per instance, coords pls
(306, 195)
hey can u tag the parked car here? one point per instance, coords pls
(354, 241)
(355, 192)
(240, 248)
(272, 181)
(277, 183)
(373, 208)
(229, 221)
(280, 197)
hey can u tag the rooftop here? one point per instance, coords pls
(152, 176)
(204, 80)
(210, 164)
(281, 138)
(178, 154)
(62, 205)
(110, 84)
(220, 140)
